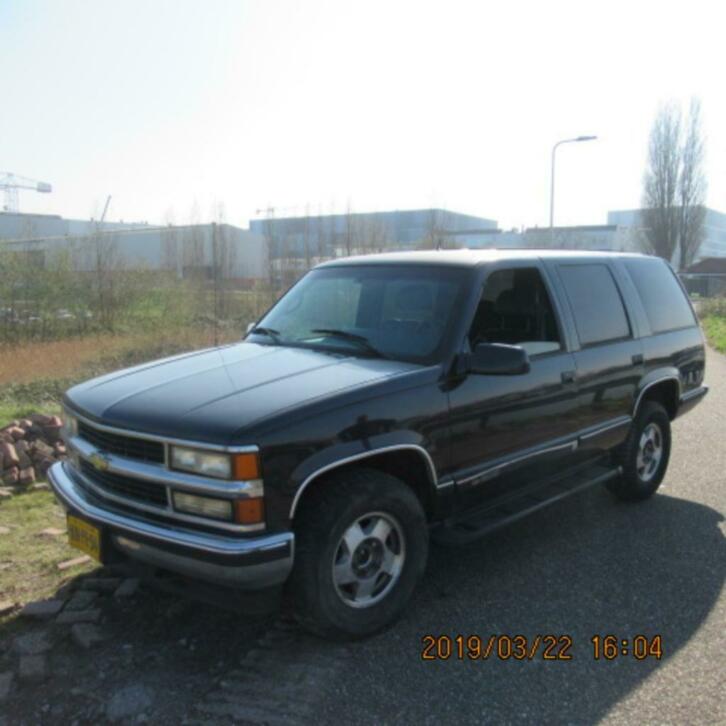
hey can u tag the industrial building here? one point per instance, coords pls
(192, 249)
(15, 225)
(283, 248)
(606, 237)
(714, 242)
(336, 235)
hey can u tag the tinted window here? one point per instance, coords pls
(665, 304)
(402, 311)
(516, 309)
(596, 304)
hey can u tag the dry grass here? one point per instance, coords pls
(67, 358)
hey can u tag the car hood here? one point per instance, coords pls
(212, 395)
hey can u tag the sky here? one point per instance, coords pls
(186, 111)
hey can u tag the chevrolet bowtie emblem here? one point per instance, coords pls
(99, 461)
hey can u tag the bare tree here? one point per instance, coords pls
(323, 249)
(306, 238)
(660, 182)
(692, 188)
(674, 185)
(349, 230)
(171, 257)
(436, 237)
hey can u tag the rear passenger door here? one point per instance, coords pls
(608, 356)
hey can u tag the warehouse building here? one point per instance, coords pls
(16, 225)
(605, 237)
(185, 250)
(337, 235)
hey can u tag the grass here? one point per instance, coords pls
(28, 560)
(715, 328)
(712, 312)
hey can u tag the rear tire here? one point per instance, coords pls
(361, 544)
(644, 454)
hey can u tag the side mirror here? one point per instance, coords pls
(249, 327)
(496, 359)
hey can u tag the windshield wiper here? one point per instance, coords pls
(353, 337)
(271, 332)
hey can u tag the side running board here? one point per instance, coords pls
(510, 507)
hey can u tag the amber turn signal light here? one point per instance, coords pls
(249, 511)
(246, 466)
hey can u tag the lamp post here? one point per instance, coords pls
(552, 181)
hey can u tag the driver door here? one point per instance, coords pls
(509, 428)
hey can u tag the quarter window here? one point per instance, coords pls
(596, 303)
(663, 299)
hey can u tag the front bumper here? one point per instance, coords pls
(251, 563)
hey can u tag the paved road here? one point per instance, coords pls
(588, 566)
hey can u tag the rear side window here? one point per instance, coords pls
(663, 298)
(596, 303)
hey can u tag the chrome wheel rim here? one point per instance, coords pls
(368, 559)
(650, 452)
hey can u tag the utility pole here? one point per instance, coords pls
(577, 139)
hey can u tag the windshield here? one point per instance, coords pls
(392, 312)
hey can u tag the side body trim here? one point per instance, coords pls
(494, 470)
(615, 424)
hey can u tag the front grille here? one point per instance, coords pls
(128, 446)
(146, 492)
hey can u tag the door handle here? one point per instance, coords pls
(568, 376)
(637, 359)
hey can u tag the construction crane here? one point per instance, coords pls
(10, 183)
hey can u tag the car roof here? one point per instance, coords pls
(470, 258)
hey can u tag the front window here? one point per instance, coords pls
(399, 312)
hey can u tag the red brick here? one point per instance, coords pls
(16, 432)
(42, 465)
(26, 475)
(9, 455)
(24, 461)
(10, 476)
(51, 432)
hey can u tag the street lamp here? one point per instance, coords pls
(552, 182)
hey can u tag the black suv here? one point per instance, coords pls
(384, 400)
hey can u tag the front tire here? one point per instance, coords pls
(644, 455)
(361, 547)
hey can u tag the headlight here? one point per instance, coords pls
(244, 467)
(203, 506)
(70, 425)
(205, 463)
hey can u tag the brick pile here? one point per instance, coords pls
(28, 447)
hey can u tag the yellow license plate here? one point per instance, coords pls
(84, 536)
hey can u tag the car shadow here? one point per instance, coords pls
(587, 567)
